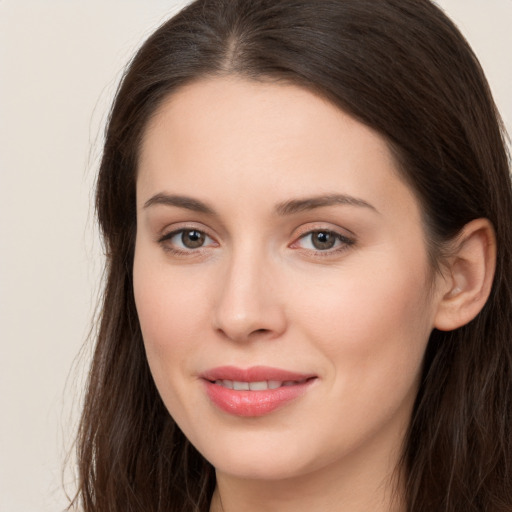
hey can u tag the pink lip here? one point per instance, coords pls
(254, 403)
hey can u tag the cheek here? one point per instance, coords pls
(357, 301)
(168, 306)
(373, 327)
(168, 315)
(169, 320)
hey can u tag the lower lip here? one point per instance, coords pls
(254, 403)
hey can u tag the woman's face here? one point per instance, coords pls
(278, 250)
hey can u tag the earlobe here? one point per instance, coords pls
(469, 276)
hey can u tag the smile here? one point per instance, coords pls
(255, 391)
(255, 386)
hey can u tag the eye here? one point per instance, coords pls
(323, 240)
(186, 240)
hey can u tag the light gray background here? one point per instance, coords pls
(60, 62)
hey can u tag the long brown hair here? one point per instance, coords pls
(402, 68)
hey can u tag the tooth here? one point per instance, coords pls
(289, 383)
(274, 384)
(258, 386)
(240, 386)
(227, 384)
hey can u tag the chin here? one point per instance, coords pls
(263, 457)
(265, 467)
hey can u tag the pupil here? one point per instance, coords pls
(323, 240)
(192, 239)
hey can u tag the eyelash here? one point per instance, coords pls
(165, 242)
(343, 242)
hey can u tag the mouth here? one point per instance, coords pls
(256, 391)
(262, 385)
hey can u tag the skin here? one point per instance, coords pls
(357, 316)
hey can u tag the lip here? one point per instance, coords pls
(254, 403)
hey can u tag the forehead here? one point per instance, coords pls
(277, 113)
(256, 137)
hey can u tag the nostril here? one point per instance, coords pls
(260, 331)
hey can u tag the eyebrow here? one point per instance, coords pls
(282, 209)
(181, 202)
(310, 203)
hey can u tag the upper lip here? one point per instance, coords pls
(254, 374)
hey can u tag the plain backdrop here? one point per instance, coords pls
(60, 62)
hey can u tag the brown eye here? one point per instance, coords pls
(323, 240)
(192, 238)
(185, 241)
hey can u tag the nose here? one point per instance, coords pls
(249, 302)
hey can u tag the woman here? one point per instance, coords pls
(306, 209)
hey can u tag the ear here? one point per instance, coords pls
(468, 276)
